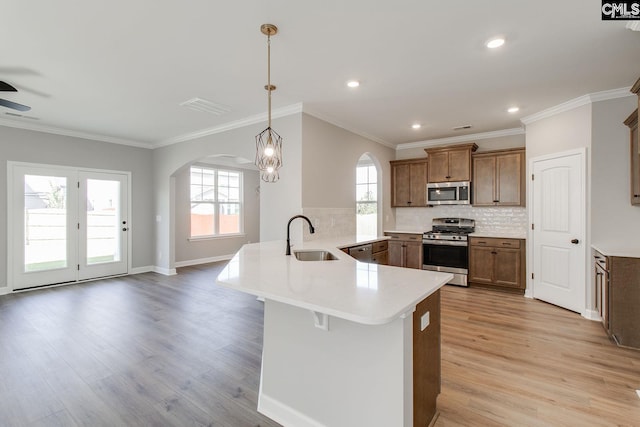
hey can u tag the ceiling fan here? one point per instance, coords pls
(6, 87)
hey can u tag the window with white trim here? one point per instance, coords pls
(366, 197)
(216, 202)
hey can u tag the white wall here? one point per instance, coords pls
(278, 201)
(565, 131)
(199, 250)
(329, 158)
(613, 218)
(489, 144)
(38, 147)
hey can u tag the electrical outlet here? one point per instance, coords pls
(424, 321)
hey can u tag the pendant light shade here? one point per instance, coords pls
(268, 142)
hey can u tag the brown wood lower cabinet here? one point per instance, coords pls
(617, 282)
(426, 360)
(405, 250)
(380, 253)
(497, 263)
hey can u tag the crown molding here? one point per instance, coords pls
(335, 122)
(251, 120)
(578, 102)
(72, 133)
(461, 138)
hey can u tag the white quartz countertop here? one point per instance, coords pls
(618, 249)
(501, 234)
(364, 293)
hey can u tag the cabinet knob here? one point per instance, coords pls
(494, 252)
(496, 201)
(575, 241)
(409, 202)
(448, 177)
(636, 195)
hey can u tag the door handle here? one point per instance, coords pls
(575, 241)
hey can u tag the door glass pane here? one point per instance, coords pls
(103, 217)
(45, 219)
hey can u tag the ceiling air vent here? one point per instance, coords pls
(21, 116)
(205, 106)
(462, 127)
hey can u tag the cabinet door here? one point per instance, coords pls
(459, 165)
(401, 188)
(509, 180)
(484, 181)
(413, 255)
(439, 166)
(481, 262)
(635, 166)
(507, 267)
(418, 178)
(381, 258)
(396, 253)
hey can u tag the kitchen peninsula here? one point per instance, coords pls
(345, 343)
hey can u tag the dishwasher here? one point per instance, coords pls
(362, 253)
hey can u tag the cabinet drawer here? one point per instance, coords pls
(407, 237)
(380, 246)
(495, 243)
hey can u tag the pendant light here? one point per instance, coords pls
(268, 142)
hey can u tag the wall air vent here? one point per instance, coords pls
(463, 127)
(205, 106)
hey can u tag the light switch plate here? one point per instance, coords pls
(424, 321)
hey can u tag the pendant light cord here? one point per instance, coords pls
(269, 74)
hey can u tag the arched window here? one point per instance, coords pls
(367, 197)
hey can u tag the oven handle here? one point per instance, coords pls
(445, 242)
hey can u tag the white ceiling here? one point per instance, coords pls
(120, 69)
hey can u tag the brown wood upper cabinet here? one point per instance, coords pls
(450, 163)
(498, 178)
(632, 122)
(409, 182)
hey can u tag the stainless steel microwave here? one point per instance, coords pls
(449, 193)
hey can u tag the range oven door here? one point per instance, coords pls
(447, 256)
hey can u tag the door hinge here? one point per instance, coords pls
(78, 267)
(533, 276)
(78, 184)
(533, 227)
(78, 226)
(533, 177)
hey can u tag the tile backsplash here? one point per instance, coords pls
(488, 219)
(330, 222)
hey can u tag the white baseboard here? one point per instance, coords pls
(140, 270)
(4, 289)
(592, 315)
(283, 414)
(165, 271)
(528, 293)
(204, 260)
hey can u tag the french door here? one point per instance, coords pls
(66, 224)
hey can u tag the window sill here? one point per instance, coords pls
(216, 237)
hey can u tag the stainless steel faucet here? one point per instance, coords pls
(311, 230)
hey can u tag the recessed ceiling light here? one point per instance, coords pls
(495, 42)
(353, 83)
(513, 109)
(416, 126)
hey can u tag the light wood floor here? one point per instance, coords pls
(149, 350)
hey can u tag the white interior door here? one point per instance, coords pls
(103, 224)
(559, 220)
(65, 225)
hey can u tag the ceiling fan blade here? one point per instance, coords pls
(6, 87)
(13, 105)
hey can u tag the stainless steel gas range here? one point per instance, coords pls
(445, 247)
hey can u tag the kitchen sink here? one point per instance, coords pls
(314, 255)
